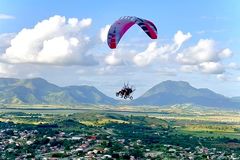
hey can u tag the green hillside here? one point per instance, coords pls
(39, 91)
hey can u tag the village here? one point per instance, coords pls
(39, 144)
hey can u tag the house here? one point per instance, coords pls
(76, 138)
(106, 156)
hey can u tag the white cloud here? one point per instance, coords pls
(5, 40)
(154, 52)
(104, 32)
(6, 16)
(83, 23)
(225, 53)
(211, 68)
(56, 41)
(114, 58)
(205, 67)
(203, 51)
(145, 57)
(204, 57)
(180, 38)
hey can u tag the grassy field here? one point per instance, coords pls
(186, 119)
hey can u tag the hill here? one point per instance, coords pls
(180, 92)
(39, 91)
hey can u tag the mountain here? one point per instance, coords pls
(39, 91)
(180, 92)
(235, 99)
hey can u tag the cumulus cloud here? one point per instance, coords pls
(204, 51)
(145, 57)
(154, 51)
(180, 38)
(6, 16)
(104, 32)
(5, 40)
(205, 67)
(225, 53)
(57, 41)
(114, 58)
(204, 57)
(211, 67)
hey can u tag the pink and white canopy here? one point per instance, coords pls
(118, 29)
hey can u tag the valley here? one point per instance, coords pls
(118, 132)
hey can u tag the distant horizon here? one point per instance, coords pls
(113, 95)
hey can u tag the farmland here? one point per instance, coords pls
(122, 131)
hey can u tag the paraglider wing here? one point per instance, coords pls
(118, 29)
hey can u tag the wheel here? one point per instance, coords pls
(117, 94)
(131, 97)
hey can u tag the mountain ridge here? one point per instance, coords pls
(180, 92)
(39, 91)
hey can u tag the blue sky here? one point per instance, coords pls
(211, 27)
